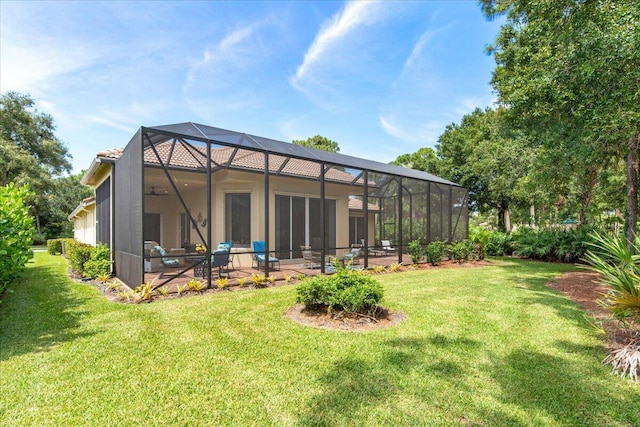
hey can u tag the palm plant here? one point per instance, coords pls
(619, 268)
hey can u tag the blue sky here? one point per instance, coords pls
(380, 78)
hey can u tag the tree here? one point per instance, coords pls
(64, 196)
(425, 159)
(30, 153)
(572, 67)
(320, 142)
(481, 154)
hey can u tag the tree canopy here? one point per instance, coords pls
(30, 152)
(320, 142)
(569, 72)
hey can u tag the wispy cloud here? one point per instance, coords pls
(331, 46)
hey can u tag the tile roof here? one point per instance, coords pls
(356, 205)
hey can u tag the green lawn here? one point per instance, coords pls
(481, 346)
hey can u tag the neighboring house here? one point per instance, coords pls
(84, 221)
(186, 184)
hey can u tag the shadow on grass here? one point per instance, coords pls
(355, 384)
(40, 312)
(562, 391)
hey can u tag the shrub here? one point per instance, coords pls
(479, 237)
(416, 250)
(54, 246)
(99, 262)
(498, 244)
(552, 244)
(346, 290)
(16, 231)
(435, 252)
(78, 253)
(461, 251)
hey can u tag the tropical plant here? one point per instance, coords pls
(258, 280)
(619, 269)
(16, 229)
(435, 252)
(287, 278)
(271, 279)
(113, 285)
(396, 266)
(379, 269)
(416, 250)
(164, 291)
(143, 292)
(125, 295)
(180, 289)
(196, 285)
(103, 278)
(222, 282)
(242, 281)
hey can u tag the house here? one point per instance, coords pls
(185, 184)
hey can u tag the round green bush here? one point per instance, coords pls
(346, 290)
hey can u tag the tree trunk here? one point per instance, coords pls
(532, 214)
(504, 219)
(507, 220)
(632, 191)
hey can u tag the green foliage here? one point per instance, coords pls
(320, 142)
(480, 238)
(416, 250)
(348, 290)
(16, 231)
(54, 246)
(99, 262)
(425, 159)
(435, 252)
(554, 244)
(619, 267)
(498, 244)
(460, 251)
(78, 253)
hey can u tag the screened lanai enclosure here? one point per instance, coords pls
(180, 190)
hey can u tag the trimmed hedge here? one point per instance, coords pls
(88, 261)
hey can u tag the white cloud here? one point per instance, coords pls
(337, 46)
(416, 134)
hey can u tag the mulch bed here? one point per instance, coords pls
(582, 288)
(320, 318)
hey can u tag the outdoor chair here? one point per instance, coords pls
(353, 256)
(227, 246)
(220, 259)
(312, 259)
(260, 255)
(372, 250)
(165, 260)
(386, 246)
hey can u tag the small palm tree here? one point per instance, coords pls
(619, 268)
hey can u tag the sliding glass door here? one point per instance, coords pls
(297, 224)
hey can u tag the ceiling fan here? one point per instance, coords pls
(153, 192)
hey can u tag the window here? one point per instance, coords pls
(185, 230)
(237, 221)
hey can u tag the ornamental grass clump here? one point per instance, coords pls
(346, 290)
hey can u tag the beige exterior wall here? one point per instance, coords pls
(228, 181)
(84, 225)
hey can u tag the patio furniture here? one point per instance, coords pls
(312, 259)
(352, 256)
(228, 245)
(220, 259)
(386, 246)
(165, 260)
(260, 255)
(372, 250)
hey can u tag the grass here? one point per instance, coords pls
(481, 346)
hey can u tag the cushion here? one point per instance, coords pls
(171, 262)
(160, 250)
(223, 247)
